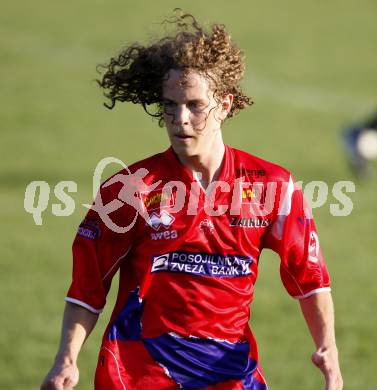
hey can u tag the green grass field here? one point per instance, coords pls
(312, 68)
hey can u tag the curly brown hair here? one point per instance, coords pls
(136, 75)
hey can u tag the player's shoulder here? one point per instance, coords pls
(250, 165)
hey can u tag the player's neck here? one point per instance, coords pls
(208, 163)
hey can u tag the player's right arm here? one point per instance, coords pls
(98, 251)
(78, 323)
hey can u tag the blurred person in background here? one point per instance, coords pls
(187, 277)
(360, 141)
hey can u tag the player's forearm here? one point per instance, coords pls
(78, 323)
(318, 311)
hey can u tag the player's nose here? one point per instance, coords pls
(182, 115)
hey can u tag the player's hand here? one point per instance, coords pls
(326, 359)
(62, 376)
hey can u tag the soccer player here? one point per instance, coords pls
(185, 229)
(360, 141)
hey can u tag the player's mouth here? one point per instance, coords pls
(183, 137)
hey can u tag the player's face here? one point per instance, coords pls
(191, 113)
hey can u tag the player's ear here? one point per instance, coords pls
(226, 105)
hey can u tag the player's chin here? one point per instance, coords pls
(184, 149)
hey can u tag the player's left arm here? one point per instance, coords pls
(318, 311)
(304, 273)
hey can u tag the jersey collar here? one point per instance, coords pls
(177, 169)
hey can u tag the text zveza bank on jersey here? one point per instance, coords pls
(203, 264)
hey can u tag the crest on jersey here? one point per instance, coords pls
(157, 199)
(250, 193)
(206, 226)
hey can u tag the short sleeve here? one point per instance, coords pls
(294, 237)
(98, 251)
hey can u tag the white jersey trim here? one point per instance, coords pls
(265, 383)
(116, 263)
(284, 210)
(117, 364)
(83, 304)
(310, 293)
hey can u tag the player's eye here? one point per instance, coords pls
(196, 106)
(169, 103)
(169, 106)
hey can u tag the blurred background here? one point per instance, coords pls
(311, 69)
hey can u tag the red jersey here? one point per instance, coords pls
(187, 273)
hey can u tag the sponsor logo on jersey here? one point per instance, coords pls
(202, 264)
(249, 222)
(250, 172)
(206, 226)
(166, 235)
(313, 248)
(248, 195)
(89, 228)
(251, 193)
(160, 263)
(158, 220)
(157, 199)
